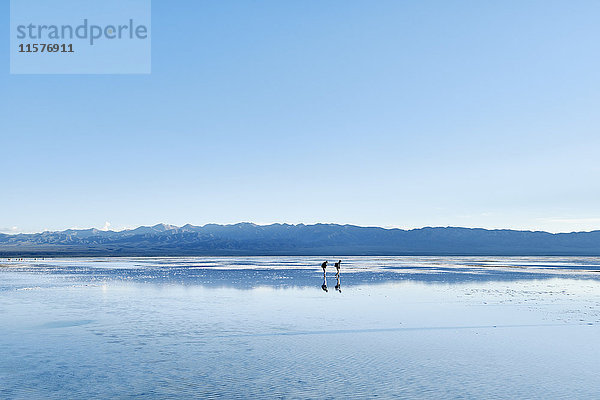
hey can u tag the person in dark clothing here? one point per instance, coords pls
(337, 267)
(324, 285)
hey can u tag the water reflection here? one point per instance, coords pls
(171, 331)
(324, 285)
(285, 272)
(338, 285)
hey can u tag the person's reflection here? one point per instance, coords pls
(324, 285)
(338, 286)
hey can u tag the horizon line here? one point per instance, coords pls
(291, 224)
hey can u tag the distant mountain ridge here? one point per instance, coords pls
(284, 239)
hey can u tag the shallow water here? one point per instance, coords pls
(420, 327)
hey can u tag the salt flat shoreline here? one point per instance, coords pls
(249, 272)
(262, 327)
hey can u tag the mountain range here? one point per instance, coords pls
(284, 239)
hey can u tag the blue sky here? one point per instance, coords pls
(389, 113)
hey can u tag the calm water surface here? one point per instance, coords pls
(405, 327)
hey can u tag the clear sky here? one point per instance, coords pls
(390, 113)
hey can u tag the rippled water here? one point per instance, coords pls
(420, 327)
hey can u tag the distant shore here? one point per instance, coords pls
(247, 239)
